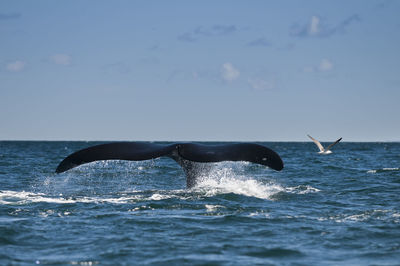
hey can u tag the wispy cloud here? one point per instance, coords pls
(16, 66)
(259, 42)
(213, 31)
(118, 67)
(317, 27)
(324, 66)
(261, 84)
(385, 3)
(229, 72)
(187, 37)
(4, 16)
(61, 59)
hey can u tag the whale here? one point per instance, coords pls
(192, 157)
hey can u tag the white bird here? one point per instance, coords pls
(321, 148)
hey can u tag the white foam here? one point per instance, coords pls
(374, 171)
(213, 208)
(23, 197)
(259, 214)
(391, 169)
(88, 263)
(225, 180)
(222, 181)
(366, 215)
(251, 187)
(157, 196)
(302, 189)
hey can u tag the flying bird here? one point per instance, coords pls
(321, 148)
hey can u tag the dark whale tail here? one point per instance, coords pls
(185, 154)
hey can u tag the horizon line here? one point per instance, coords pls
(124, 140)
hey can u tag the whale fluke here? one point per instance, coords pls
(185, 154)
(131, 151)
(321, 148)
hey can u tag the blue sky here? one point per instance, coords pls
(200, 70)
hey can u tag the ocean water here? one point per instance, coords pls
(336, 209)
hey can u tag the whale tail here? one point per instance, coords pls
(187, 155)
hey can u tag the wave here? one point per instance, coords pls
(302, 189)
(206, 188)
(225, 180)
(382, 170)
(250, 188)
(23, 197)
(365, 216)
(220, 181)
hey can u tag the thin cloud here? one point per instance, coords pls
(118, 67)
(259, 42)
(229, 72)
(187, 37)
(324, 66)
(16, 66)
(314, 27)
(385, 4)
(61, 59)
(216, 30)
(4, 16)
(213, 31)
(317, 27)
(261, 84)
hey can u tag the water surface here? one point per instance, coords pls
(341, 208)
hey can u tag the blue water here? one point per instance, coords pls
(337, 209)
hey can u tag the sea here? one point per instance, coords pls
(336, 209)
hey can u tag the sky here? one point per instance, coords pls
(200, 70)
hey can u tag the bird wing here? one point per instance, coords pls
(320, 147)
(330, 146)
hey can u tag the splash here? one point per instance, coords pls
(225, 180)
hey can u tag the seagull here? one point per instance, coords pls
(322, 150)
